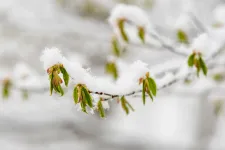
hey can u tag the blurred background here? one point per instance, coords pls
(181, 117)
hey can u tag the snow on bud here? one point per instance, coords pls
(130, 13)
(204, 44)
(50, 57)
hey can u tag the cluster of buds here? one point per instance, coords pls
(148, 86)
(82, 96)
(195, 59)
(55, 79)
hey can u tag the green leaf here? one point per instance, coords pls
(111, 68)
(56, 88)
(101, 109)
(182, 37)
(152, 86)
(203, 66)
(66, 76)
(115, 47)
(5, 92)
(60, 90)
(122, 31)
(143, 92)
(141, 34)
(51, 87)
(218, 77)
(87, 97)
(149, 94)
(123, 104)
(75, 95)
(83, 106)
(191, 60)
(129, 105)
(148, 88)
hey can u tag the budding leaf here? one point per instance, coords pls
(111, 68)
(122, 31)
(123, 104)
(152, 86)
(182, 37)
(203, 66)
(149, 94)
(218, 77)
(100, 109)
(148, 88)
(66, 76)
(191, 60)
(83, 106)
(141, 34)
(129, 105)
(5, 92)
(75, 95)
(60, 90)
(87, 97)
(143, 92)
(115, 47)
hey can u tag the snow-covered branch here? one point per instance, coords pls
(130, 24)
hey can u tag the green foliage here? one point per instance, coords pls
(148, 86)
(6, 88)
(122, 31)
(191, 60)
(100, 108)
(55, 80)
(182, 37)
(115, 47)
(203, 66)
(126, 105)
(141, 34)
(143, 92)
(66, 76)
(82, 95)
(195, 59)
(111, 69)
(218, 77)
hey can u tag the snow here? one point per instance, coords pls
(219, 14)
(184, 23)
(129, 12)
(205, 44)
(50, 57)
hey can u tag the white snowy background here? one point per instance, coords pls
(181, 117)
